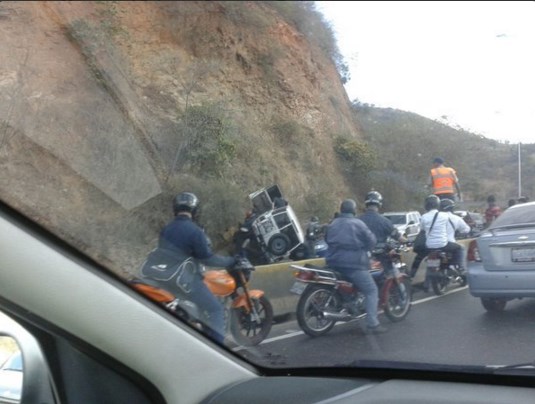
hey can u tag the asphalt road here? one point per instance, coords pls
(450, 329)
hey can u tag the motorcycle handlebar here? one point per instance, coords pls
(242, 264)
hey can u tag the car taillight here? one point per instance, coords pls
(473, 252)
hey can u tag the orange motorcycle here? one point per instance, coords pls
(248, 312)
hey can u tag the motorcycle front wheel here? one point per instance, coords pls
(246, 328)
(398, 302)
(314, 301)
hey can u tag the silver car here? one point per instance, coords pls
(501, 261)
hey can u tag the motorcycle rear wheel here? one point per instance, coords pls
(398, 302)
(312, 303)
(439, 282)
(245, 330)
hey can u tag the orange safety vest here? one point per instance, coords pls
(443, 180)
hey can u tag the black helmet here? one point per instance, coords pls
(447, 205)
(432, 202)
(314, 219)
(374, 198)
(349, 206)
(185, 202)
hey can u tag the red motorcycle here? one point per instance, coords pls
(326, 297)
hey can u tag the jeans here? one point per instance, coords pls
(209, 306)
(363, 281)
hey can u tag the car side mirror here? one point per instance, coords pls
(35, 384)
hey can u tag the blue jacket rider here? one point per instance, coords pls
(184, 235)
(349, 241)
(380, 226)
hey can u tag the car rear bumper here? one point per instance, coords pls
(506, 284)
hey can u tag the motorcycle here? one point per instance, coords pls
(248, 312)
(326, 297)
(441, 273)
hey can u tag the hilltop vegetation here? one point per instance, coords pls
(405, 143)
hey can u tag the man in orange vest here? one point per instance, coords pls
(444, 180)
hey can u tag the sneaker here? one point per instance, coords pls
(378, 329)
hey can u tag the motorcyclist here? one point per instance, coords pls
(313, 232)
(349, 242)
(429, 204)
(381, 227)
(456, 225)
(185, 237)
(437, 238)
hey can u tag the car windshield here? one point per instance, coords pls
(187, 145)
(397, 219)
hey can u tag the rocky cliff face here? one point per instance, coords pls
(97, 101)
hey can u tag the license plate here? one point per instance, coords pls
(298, 288)
(433, 263)
(523, 254)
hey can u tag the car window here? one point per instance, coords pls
(182, 148)
(397, 219)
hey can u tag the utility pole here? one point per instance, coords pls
(519, 173)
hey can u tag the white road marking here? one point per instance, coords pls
(292, 333)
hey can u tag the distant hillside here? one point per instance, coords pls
(405, 143)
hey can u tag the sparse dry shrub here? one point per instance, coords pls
(209, 142)
(357, 156)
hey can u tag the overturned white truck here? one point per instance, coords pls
(272, 228)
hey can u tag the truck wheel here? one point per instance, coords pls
(279, 244)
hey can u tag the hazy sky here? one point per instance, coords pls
(473, 62)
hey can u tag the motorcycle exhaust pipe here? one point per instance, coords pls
(329, 315)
